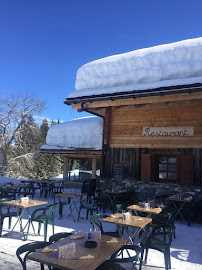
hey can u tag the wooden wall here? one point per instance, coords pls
(124, 140)
(133, 156)
(127, 124)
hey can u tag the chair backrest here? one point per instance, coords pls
(89, 187)
(50, 210)
(57, 236)
(89, 204)
(4, 200)
(96, 219)
(165, 236)
(28, 248)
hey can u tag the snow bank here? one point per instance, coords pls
(164, 63)
(81, 133)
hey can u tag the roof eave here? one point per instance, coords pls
(137, 94)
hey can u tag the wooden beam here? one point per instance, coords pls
(107, 126)
(177, 104)
(66, 169)
(94, 162)
(140, 100)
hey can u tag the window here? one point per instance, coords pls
(167, 168)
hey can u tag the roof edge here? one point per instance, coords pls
(196, 87)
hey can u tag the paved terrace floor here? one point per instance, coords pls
(186, 249)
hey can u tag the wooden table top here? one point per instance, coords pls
(135, 207)
(134, 221)
(70, 194)
(101, 253)
(31, 203)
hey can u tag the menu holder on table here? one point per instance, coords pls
(67, 251)
(24, 200)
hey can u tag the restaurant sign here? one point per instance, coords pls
(168, 131)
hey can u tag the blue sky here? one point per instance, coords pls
(44, 42)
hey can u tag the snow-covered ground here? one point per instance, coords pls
(186, 249)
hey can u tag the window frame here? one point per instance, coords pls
(168, 180)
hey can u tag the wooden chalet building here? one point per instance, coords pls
(153, 129)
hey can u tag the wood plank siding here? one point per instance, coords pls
(133, 156)
(124, 141)
(127, 125)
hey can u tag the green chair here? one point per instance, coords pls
(28, 248)
(47, 216)
(158, 240)
(118, 207)
(163, 222)
(57, 236)
(96, 220)
(8, 214)
(128, 254)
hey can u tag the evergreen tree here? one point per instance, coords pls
(44, 130)
(52, 123)
(46, 167)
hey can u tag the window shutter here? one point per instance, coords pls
(146, 167)
(186, 170)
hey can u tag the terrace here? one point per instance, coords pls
(185, 249)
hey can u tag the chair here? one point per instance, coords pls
(96, 219)
(125, 255)
(107, 265)
(28, 248)
(88, 187)
(90, 205)
(160, 241)
(47, 215)
(57, 187)
(7, 214)
(46, 188)
(55, 237)
(26, 190)
(164, 221)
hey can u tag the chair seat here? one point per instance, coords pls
(42, 217)
(9, 214)
(155, 243)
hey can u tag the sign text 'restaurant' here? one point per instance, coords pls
(168, 131)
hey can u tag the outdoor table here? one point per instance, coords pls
(21, 207)
(135, 223)
(112, 195)
(148, 210)
(71, 201)
(179, 204)
(103, 251)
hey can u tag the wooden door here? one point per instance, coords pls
(146, 167)
(186, 170)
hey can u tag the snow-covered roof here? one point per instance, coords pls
(178, 63)
(81, 133)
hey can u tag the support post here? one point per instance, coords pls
(94, 167)
(66, 169)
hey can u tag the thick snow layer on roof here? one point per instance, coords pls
(177, 63)
(81, 133)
